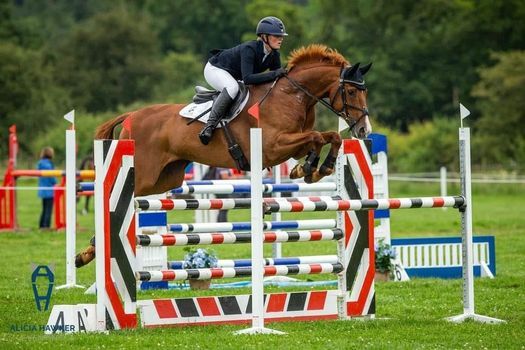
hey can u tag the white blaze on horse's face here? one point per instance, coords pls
(362, 128)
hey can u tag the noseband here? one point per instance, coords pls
(344, 111)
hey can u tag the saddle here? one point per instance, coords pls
(203, 95)
(200, 109)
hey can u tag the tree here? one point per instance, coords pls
(199, 26)
(28, 97)
(500, 95)
(425, 53)
(110, 59)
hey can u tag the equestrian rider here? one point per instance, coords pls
(247, 62)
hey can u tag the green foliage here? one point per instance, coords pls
(103, 56)
(500, 92)
(111, 59)
(289, 13)
(425, 53)
(28, 97)
(85, 125)
(427, 147)
(199, 26)
(383, 256)
(179, 71)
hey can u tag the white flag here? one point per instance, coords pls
(70, 117)
(463, 111)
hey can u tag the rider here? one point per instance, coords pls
(247, 62)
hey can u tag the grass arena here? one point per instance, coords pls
(408, 314)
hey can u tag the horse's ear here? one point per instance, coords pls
(365, 68)
(349, 74)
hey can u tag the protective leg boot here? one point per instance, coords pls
(219, 109)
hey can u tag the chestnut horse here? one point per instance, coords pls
(165, 144)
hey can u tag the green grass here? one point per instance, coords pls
(410, 315)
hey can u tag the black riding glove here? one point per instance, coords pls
(279, 72)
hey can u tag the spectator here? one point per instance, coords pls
(45, 186)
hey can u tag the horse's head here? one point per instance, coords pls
(348, 98)
(317, 69)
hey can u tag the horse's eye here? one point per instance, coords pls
(352, 93)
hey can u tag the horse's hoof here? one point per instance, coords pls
(85, 257)
(325, 171)
(308, 179)
(297, 172)
(293, 175)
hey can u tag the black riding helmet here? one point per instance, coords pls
(272, 26)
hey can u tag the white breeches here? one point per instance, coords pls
(220, 79)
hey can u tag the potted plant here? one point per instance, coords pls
(383, 260)
(199, 258)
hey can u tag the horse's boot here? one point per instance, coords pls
(219, 109)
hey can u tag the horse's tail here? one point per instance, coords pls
(106, 130)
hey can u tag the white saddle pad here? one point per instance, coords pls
(192, 110)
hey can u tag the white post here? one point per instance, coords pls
(467, 246)
(257, 237)
(100, 271)
(71, 204)
(443, 182)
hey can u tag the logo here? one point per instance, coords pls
(42, 281)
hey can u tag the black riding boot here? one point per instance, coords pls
(219, 109)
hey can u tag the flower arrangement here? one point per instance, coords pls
(383, 255)
(199, 258)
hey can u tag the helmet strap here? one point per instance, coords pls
(264, 38)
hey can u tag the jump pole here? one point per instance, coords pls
(71, 204)
(466, 230)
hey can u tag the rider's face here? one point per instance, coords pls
(275, 41)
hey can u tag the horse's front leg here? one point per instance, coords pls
(299, 145)
(328, 166)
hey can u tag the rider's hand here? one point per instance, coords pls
(279, 72)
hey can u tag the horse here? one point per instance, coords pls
(165, 143)
(286, 117)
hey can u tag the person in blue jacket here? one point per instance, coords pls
(248, 62)
(45, 184)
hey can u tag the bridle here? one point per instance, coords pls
(344, 111)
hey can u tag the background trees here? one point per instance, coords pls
(103, 57)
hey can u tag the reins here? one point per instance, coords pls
(343, 113)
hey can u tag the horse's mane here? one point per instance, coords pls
(315, 53)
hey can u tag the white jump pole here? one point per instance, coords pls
(257, 237)
(443, 182)
(277, 246)
(466, 230)
(71, 204)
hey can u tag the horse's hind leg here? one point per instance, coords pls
(171, 176)
(328, 166)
